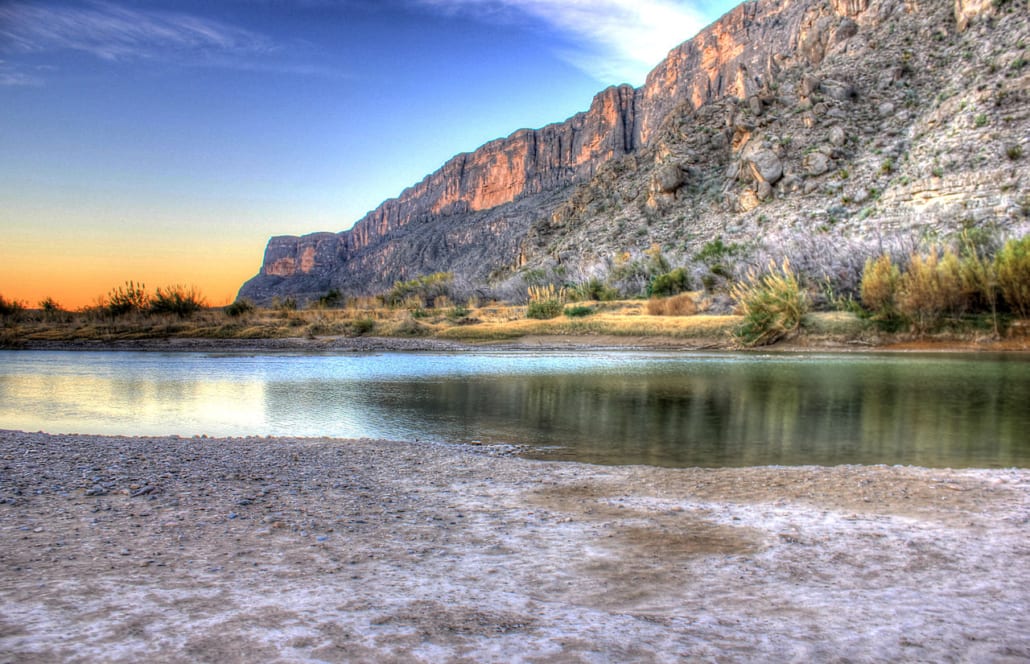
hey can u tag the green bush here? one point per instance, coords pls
(716, 251)
(425, 288)
(594, 289)
(578, 311)
(772, 305)
(1012, 265)
(239, 308)
(545, 302)
(670, 283)
(544, 309)
(182, 301)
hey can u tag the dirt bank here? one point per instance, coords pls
(167, 549)
(534, 342)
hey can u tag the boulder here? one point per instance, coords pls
(817, 163)
(747, 201)
(836, 136)
(809, 84)
(669, 178)
(839, 90)
(765, 166)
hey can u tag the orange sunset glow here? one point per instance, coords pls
(76, 277)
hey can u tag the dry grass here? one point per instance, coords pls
(610, 324)
(490, 322)
(677, 305)
(773, 305)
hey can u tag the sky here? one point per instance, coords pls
(165, 142)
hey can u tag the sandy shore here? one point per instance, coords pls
(184, 550)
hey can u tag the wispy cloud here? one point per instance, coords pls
(14, 76)
(615, 40)
(115, 33)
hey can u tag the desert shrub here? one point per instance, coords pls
(879, 288)
(239, 308)
(127, 299)
(52, 311)
(425, 288)
(717, 251)
(719, 260)
(50, 306)
(1012, 265)
(578, 311)
(362, 326)
(772, 305)
(629, 274)
(593, 289)
(457, 312)
(10, 309)
(545, 302)
(182, 301)
(677, 305)
(980, 279)
(332, 299)
(670, 283)
(285, 306)
(930, 289)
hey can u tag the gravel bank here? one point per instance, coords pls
(286, 344)
(184, 550)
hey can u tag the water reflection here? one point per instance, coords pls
(677, 410)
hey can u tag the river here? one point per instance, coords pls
(620, 407)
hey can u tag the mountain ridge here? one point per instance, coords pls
(517, 202)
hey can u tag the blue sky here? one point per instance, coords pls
(166, 141)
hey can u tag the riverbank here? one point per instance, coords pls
(254, 549)
(624, 325)
(540, 343)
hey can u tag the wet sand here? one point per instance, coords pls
(255, 549)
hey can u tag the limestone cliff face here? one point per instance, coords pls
(472, 216)
(742, 53)
(527, 162)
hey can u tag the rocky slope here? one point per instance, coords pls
(804, 127)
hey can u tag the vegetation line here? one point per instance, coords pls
(959, 292)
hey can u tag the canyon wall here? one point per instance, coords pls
(472, 215)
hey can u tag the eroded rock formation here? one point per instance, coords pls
(707, 145)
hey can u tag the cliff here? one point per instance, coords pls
(709, 138)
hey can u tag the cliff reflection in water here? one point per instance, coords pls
(656, 408)
(708, 412)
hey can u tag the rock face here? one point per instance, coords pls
(753, 117)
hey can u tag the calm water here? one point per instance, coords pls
(622, 407)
